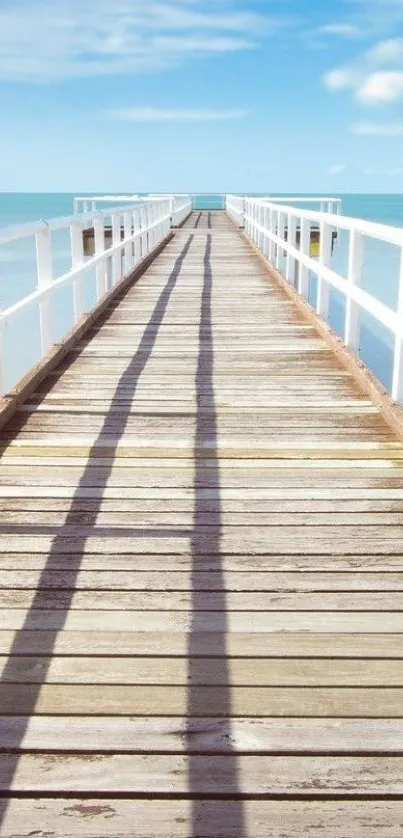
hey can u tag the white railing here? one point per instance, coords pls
(235, 204)
(181, 204)
(235, 207)
(121, 238)
(275, 228)
(90, 203)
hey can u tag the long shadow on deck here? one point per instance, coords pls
(115, 423)
(209, 817)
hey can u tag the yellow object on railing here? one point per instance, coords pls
(314, 250)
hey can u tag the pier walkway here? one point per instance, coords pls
(201, 572)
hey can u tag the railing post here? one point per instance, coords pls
(117, 257)
(77, 259)
(127, 223)
(266, 225)
(273, 230)
(2, 375)
(291, 240)
(100, 270)
(280, 235)
(144, 234)
(152, 228)
(355, 258)
(261, 226)
(305, 247)
(325, 254)
(397, 379)
(44, 268)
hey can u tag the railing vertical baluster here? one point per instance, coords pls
(352, 318)
(291, 240)
(325, 254)
(144, 236)
(397, 379)
(77, 259)
(117, 256)
(3, 382)
(272, 244)
(305, 246)
(127, 221)
(101, 268)
(149, 228)
(137, 240)
(261, 226)
(266, 225)
(280, 234)
(44, 268)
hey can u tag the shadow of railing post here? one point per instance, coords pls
(208, 820)
(115, 423)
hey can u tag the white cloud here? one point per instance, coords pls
(149, 114)
(338, 169)
(386, 129)
(344, 30)
(339, 79)
(380, 88)
(367, 77)
(42, 40)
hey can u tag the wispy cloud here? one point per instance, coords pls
(343, 30)
(337, 169)
(375, 77)
(380, 17)
(44, 40)
(175, 114)
(378, 129)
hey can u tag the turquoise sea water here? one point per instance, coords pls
(18, 278)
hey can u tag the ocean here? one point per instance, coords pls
(21, 347)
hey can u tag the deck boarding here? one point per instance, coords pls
(201, 573)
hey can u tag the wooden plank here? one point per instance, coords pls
(81, 515)
(220, 671)
(321, 562)
(165, 542)
(163, 735)
(170, 774)
(135, 579)
(119, 818)
(292, 644)
(207, 621)
(204, 601)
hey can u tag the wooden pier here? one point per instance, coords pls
(201, 571)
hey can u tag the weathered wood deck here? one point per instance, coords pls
(201, 573)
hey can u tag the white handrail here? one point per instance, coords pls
(181, 203)
(273, 227)
(136, 230)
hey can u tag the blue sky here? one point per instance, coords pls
(201, 95)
